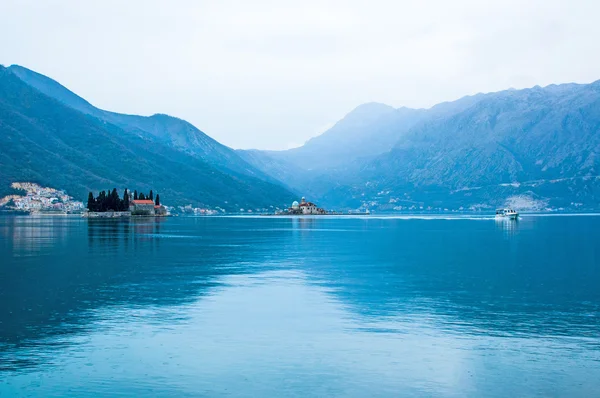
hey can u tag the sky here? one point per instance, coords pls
(272, 74)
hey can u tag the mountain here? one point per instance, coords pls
(523, 138)
(368, 130)
(64, 142)
(539, 147)
(310, 183)
(534, 148)
(163, 129)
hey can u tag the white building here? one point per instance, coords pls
(305, 207)
(308, 207)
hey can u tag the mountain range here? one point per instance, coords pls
(54, 137)
(534, 149)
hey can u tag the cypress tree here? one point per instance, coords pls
(114, 200)
(157, 199)
(141, 196)
(151, 197)
(135, 195)
(101, 201)
(126, 200)
(91, 205)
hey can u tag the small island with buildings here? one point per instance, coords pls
(111, 205)
(305, 208)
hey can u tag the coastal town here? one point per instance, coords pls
(38, 199)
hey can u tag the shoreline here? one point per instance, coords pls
(314, 215)
(271, 215)
(119, 214)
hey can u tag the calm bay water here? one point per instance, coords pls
(279, 307)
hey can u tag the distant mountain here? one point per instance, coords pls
(310, 183)
(53, 137)
(539, 147)
(524, 138)
(368, 130)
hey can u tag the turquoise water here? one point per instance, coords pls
(280, 307)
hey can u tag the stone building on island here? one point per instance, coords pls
(160, 210)
(305, 207)
(142, 207)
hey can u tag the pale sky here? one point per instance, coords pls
(272, 74)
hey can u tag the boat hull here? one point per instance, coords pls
(507, 217)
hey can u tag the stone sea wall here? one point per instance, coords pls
(107, 214)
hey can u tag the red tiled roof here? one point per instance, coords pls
(307, 204)
(142, 202)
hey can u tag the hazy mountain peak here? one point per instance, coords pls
(367, 112)
(372, 107)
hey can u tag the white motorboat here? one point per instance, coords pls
(506, 214)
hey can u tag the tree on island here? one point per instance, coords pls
(91, 204)
(135, 195)
(101, 201)
(141, 196)
(126, 200)
(151, 197)
(157, 202)
(114, 201)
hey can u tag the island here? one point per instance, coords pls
(306, 208)
(111, 205)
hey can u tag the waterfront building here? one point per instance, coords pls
(142, 207)
(160, 210)
(305, 207)
(308, 207)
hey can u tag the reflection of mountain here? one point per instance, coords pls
(29, 235)
(493, 280)
(466, 275)
(107, 263)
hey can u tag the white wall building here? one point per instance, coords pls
(308, 207)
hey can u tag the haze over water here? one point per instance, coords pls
(281, 307)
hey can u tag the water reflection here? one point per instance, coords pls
(376, 305)
(141, 233)
(507, 226)
(29, 235)
(56, 292)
